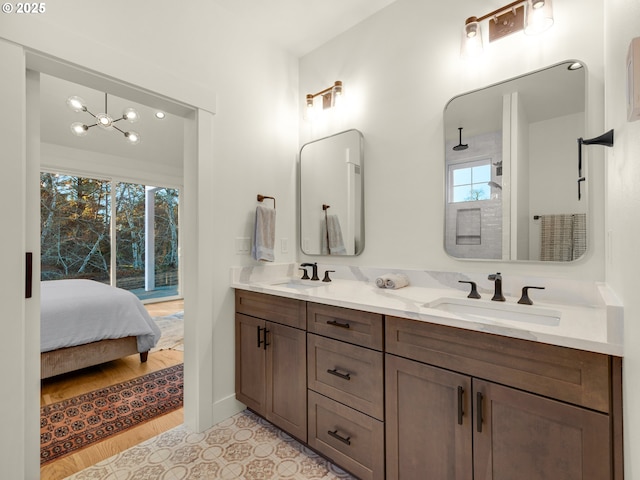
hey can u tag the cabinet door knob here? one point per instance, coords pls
(344, 376)
(334, 434)
(460, 404)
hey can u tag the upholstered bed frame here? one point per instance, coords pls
(64, 360)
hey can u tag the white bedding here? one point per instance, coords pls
(75, 312)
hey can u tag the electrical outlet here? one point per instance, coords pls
(242, 245)
(284, 245)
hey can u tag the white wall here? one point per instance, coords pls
(399, 68)
(198, 54)
(622, 23)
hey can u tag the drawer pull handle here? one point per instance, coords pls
(334, 434)
(335, 323)
(460, 404)
(266, 344)
(259, 337)
(479, 399)
(344, 376)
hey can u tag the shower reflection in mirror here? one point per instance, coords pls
(509, 156)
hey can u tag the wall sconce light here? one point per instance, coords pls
(532, 16)
(606, 139)
(329, 95)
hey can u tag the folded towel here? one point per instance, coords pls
(381, 281)
(264, 236)
(333, 233)
(392, 280)
(396, 280)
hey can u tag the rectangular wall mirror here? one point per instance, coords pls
(511, 168)
(331, 195)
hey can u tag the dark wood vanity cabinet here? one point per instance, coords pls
(387, 397)
(452, 411)
(271, 379)
(345, 372)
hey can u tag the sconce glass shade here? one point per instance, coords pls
(133, 138)
(130, 114)
(79, 129)
(471, 38)
(538, 16)
(336, 94)
(76, 104)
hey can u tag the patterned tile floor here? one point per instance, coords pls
(244, 446)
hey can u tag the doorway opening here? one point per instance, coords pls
(116, 220)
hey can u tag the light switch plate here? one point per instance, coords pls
(242, 245)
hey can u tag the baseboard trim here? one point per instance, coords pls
(226, 407)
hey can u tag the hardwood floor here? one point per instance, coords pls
(65, 386)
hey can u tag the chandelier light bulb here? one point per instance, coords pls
(104, 120)
(131, 115)
(132, 137)
(76, 104)
(79, 129)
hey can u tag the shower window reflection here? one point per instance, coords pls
(469, 181)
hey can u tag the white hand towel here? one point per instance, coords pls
(332, 233)
(264, 235)
(396, 280)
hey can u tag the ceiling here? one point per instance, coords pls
(301, 26)
(161, 140)
(298, 26)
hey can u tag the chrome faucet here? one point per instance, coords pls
(314, 275)
(497, 278)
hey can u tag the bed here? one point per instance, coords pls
(85, 323)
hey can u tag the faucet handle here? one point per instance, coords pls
(305, 275)
(474, 289)
(524, 299)
(326, 276)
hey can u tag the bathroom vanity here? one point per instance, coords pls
(385, 391)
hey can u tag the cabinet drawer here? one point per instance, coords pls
(353, 326)
(566, 374)
(347, 373)
(349, 438)
(287, 311)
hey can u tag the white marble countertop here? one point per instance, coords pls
(595, 327)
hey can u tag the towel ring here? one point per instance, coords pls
(262, 197)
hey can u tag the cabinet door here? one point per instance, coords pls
(428, 422)
(250, 363)
(528, 437)
(287, 379)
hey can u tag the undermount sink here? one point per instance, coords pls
(296, 283)
(487, 311)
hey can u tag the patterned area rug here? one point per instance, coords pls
(72, 424)
(172, 328)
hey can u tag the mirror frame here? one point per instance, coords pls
(360, 197)
(589, 222)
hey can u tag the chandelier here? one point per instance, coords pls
(103, 120)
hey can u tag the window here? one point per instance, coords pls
(76, 218)
(469, 181)
(75, 225)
